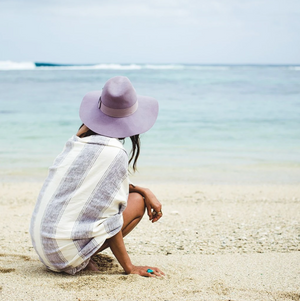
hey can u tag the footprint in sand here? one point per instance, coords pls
(219, 287)
(22, 257)
(11, 258)
(104, 262)
(6, 270)
(286, 296)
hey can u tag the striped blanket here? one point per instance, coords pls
(81, 202)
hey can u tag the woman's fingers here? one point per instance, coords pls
(156, 206)
(149, 211)
(153, 271)
(158, 272)
(152, 203)
(156, 216)
(147, 271)
(148, 274)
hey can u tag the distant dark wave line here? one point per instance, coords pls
(42, 64)
(10, 65)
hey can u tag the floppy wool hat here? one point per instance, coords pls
(117, 111)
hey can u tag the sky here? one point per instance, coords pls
(154, 31)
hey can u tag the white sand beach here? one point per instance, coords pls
(214, 242)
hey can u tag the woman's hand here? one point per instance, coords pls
(116, 244)
(151, 202)
(142, 271)
(153, 206)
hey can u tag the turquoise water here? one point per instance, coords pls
(216, 124)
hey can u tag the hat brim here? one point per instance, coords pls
(137, 123)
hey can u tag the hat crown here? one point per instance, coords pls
(117, 111)
(118, 93)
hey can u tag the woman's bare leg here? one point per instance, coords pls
(133, 213)
(131, 216)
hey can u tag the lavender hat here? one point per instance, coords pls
(117, 111)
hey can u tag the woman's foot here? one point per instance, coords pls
(91, 266)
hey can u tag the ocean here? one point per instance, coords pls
(217, 123)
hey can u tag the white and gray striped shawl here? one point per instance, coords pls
(81, 202)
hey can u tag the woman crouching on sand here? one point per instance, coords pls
(87, 203)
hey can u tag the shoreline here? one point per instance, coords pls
(196, 176)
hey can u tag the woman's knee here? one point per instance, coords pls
(136, 201)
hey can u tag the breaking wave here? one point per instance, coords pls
(10, 65)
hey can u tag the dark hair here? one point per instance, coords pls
(135, 141)
(135, 150)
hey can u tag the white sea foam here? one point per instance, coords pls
(207, 67)
(296, 68)
(164, 67)
(117, 66)
(92, 67)
(9, 65)
(114, 67)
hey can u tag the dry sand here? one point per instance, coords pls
(213, 242)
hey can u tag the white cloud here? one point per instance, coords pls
(163, 30)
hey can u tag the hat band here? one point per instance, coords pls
(117, 112)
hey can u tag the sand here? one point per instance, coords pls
(214, 242)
